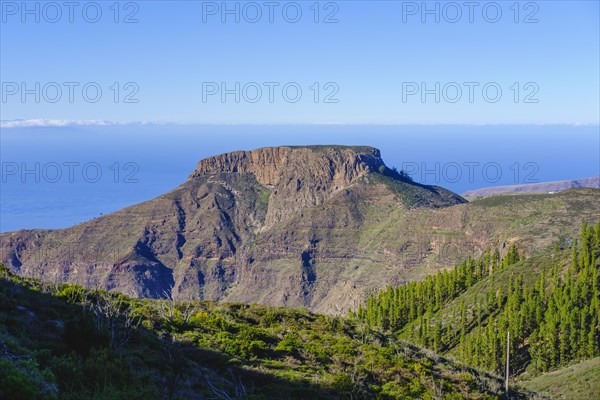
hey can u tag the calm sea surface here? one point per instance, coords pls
(59, 177)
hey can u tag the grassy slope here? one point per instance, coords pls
(446, 236)
(576, 382)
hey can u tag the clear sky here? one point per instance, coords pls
(373, 57)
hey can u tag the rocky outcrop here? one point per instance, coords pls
(332, 165)
(298, 177)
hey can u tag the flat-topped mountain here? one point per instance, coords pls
(339, 165)
(300, 177)
(314, 226)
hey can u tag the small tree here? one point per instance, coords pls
(114, 317)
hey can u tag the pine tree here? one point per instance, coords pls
(552, 321)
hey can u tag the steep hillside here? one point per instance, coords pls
(316, 226)
(65, 342)
(549, 303)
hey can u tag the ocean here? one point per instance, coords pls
(56, 177)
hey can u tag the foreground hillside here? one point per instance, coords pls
(316, 227)
(66, 342)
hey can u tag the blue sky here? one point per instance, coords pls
(369, 72)
(375, 53)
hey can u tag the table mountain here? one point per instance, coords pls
(314, 226)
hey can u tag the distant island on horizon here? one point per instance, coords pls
(540, 187)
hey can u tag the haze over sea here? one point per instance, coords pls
(140, 162)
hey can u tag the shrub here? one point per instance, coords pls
(23, 380)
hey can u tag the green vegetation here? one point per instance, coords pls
(61, 341)
(551, 312)
(395, 174)
(576, 382)
(393, 308)
(263, 199)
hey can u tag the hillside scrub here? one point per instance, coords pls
(62, 341)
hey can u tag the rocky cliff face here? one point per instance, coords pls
(270, 165)
(298, 177)
(293, 226)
